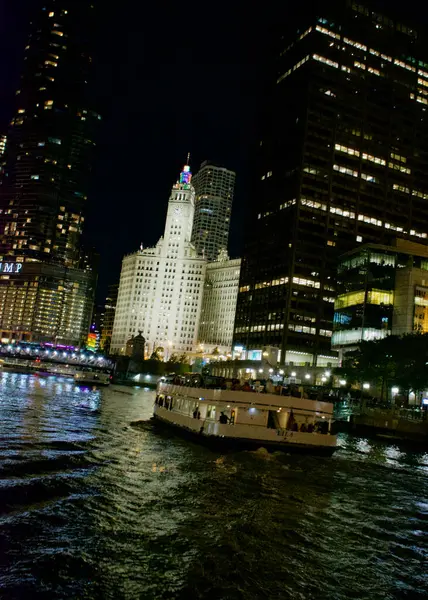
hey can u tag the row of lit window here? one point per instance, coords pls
(375, 159)
(346, 171)
(406, 190)
(294, 68)
(398, 63)
(355, 298)
(361, 217)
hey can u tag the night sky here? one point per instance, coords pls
(170, 79)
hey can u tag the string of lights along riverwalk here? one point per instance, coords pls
(47, 294)
(342, 160)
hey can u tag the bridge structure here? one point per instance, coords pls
(39, 356)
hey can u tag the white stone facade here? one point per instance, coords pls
(160, 290)
(219, 303)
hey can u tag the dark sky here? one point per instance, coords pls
(170, 78)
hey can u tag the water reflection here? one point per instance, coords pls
(92, 507)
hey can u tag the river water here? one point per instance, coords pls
(92, 506)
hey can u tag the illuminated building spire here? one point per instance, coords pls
(186, 175)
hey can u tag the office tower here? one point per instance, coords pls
(219, 303)
(50, 141)
(109, 312)
(160, 289)
(342, 160)
(44, 185)
(214, 188)
(382, 290)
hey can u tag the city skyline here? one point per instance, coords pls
(158, 131)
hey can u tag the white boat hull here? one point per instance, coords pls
(237, 435)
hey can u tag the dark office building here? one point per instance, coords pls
(45, 174)
(342, 160)
(50, 142)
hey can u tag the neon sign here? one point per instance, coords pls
(10, 267)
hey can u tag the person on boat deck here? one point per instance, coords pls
(310, 428)
(223, 418)
(270, 388)
(303, 427)
(246, 387)
(196, 413)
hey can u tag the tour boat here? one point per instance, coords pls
(92, 378)
(247, 419)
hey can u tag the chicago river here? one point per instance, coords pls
(94, 506)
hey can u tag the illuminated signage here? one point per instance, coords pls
(91, 343)
(10, 267)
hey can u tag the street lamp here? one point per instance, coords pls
(366, 386)
(260, 370)
(342, 382)
(323, 379)
(281, 372)
(327, 373)
(270, 370)
(293, 373)
(395, 390)
(307, 376)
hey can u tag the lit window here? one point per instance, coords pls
(34, 176)
(350, 151)
(374, 159)
(60, 33)
(355, 44)
(21, 111)
(398, 157)
(360, 65)
(287, 73)
(327, 32)
(399, 168)
(327, 61)
(51, 63)
(359, 238)
(51, 14)
(48, 102)
(331, 243)
(404, 65)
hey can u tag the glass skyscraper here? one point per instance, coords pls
(342, 160)
(45, 179)
(214, 189)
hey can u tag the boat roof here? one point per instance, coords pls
(246, 399)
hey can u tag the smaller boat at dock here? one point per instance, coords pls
(92, 378)
(245, 418)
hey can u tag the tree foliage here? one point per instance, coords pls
(400, 361)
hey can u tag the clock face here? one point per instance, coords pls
(177, 211)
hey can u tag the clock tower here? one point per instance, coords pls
(160, 290)
(179, 219)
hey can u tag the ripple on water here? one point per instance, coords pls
(94, 507)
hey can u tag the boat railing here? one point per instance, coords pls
(277, 390)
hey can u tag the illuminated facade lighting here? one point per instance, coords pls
(160, 289)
